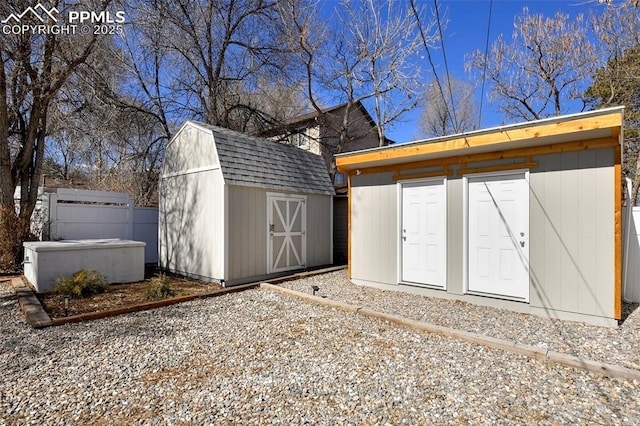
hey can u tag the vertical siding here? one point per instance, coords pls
(455, 235)
(571, 227)
(340, 225)
(319, 232)
(374, 228)
(191, 242)
(247, 232)
(571, 232)
(191, 148)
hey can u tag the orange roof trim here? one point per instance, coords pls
(604, 123)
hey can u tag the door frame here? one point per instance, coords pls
(271, 198)
(399, 215)
(465, 227)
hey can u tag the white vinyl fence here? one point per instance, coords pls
(76, 214)
(631, 251)
(631, 256)
(145, 228)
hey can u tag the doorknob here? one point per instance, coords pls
(521, 243)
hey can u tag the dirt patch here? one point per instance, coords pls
(119, 296)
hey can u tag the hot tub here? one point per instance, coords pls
(121, 261)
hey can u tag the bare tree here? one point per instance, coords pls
(377, 60)
(64, 147)
(542, 69)
(134, 153)
(115, 117)
(269, 104)
(617, 30)
(367, 58)
(316, 50)
(104, 134)
(220, 51)
(151, 67)
(436, 118)
(34, 68)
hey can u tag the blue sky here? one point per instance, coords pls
(467, 31)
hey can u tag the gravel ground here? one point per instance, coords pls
(259, 357)
(620, 346)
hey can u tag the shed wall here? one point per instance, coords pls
(319, 230)
(571, 233)
(247, 231)
(374, 228)
(340, 229)
(455, 236)
(192, 225)
(572, 228)
(191, 149)
(191, 210)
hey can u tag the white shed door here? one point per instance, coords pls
(499, 236)
(423, 233)
(286, 249)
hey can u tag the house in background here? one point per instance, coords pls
(525, 217)
(319, 133)
(235, 208)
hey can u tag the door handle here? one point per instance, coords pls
(521, 243)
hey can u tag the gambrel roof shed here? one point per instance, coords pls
(257, 162)
(236, 208)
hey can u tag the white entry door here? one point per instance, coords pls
(286, 246)
(423, 233)
(498, 240)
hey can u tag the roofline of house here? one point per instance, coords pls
(311, 118)
(314, 114)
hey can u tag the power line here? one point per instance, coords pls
(426, 47)
(446, 67)
(486, 56)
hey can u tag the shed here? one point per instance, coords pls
(235, 208)
(525, 217)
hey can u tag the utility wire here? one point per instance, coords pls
(426, 47)
(446, 67)
(486, 56)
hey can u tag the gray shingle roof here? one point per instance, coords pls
(256, 162)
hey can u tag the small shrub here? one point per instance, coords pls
(82, 283)
(158, 288)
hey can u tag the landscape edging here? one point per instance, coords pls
(541, 354)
